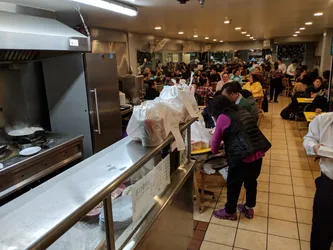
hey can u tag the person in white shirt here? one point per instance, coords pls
(282, 66)
(321, 134)
(224, 80)
(291, 70)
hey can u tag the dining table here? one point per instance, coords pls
(305, 100)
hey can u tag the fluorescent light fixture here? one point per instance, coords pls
(206, 37)
(195, 36)
(227, 21)
(243, 32)
(238, 28)
(251, 37)
(158, 28)
(180, 32)
(112, 6)
(308, 23)
(221, 41)
(318, 14)
(248, 35)
(297, 32)
(302, 28)
(295, 35)
(214, 40)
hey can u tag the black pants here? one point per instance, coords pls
(246, 173)
(322, 221)
(276, 87)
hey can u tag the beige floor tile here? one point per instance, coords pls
(298, 159)
(295, 146)
(303, 203)
(283, 228)
(280, 179)
(301, 173)
(263, 177)
(303, 182)
(257, 224)
(304, 231)
(266, 161)
(250, 240)
(282, 213)
(305, 245)
(263, 186)
(300, 153)
(280, 171)
(208, 201)
(261, 209)
(281, 189)
(213, 246)
(262, 197)
(279, 146)
(316, 174)
(304, 191)
(304, 216)
(265, 169)
(220, 234)
(205, 215)
(280, 164)
(279, 151)
(280, 243)
(300, 165)
(279, 157)
(281, 200)
(228, 223)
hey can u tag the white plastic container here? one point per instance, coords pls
(122, 98)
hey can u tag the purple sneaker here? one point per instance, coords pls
(249, 213)
(222, 214)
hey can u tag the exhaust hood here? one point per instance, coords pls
(26, 37)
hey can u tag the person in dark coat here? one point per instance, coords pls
(151, 92)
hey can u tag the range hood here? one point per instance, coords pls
(25, 37)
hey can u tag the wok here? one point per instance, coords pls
(27, 135)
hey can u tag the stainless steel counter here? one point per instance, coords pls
(39, 217)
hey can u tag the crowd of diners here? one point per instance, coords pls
(230, 94)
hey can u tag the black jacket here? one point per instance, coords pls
(151, 94)
(243, 138)
(312, 89)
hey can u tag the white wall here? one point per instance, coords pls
(237, 46)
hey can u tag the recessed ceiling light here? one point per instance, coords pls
(238, 28)
(318, 14)
(248, 35)
(180, 32)
(221, 41)
(251, 37)
(297, 32)
(302, 28)
(158, 28)
(295, 35)
(243, 32)
(214, 40)
(254, 39)
(195, 36)
(308, 23)
(206, 37)
(227, 21)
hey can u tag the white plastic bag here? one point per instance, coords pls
(151, 123)
(200, 136)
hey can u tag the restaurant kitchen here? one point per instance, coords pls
(59, 101)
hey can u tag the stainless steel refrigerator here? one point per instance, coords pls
(83, 98)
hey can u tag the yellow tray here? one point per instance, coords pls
(305, 100)
(201, 151)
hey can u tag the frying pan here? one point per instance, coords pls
(28, 135)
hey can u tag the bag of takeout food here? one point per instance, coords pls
(200, 136)
(151, 123)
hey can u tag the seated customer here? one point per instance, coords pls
(237, 76)
(253, 102)
(231, 91)
(316, 87)
(151, 92)
(254, 86)
(245, 146)
(203, 94)
(320, 103)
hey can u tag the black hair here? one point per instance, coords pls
(294, 61)
(221, 105)
(145, 74)
(245, 93)
(276, 65)
(235, 70)
(255, 78)
(232, 87)
(326, 74)
(158, 80)
(217, 93)
(280, 59)
(225, 74)
(318, 78)
(307, 80)
(151, 83)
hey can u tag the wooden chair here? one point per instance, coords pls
(261, 112)
(287, 86)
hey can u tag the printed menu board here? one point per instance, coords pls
(153, 184)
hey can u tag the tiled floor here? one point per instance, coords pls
(286, 188)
